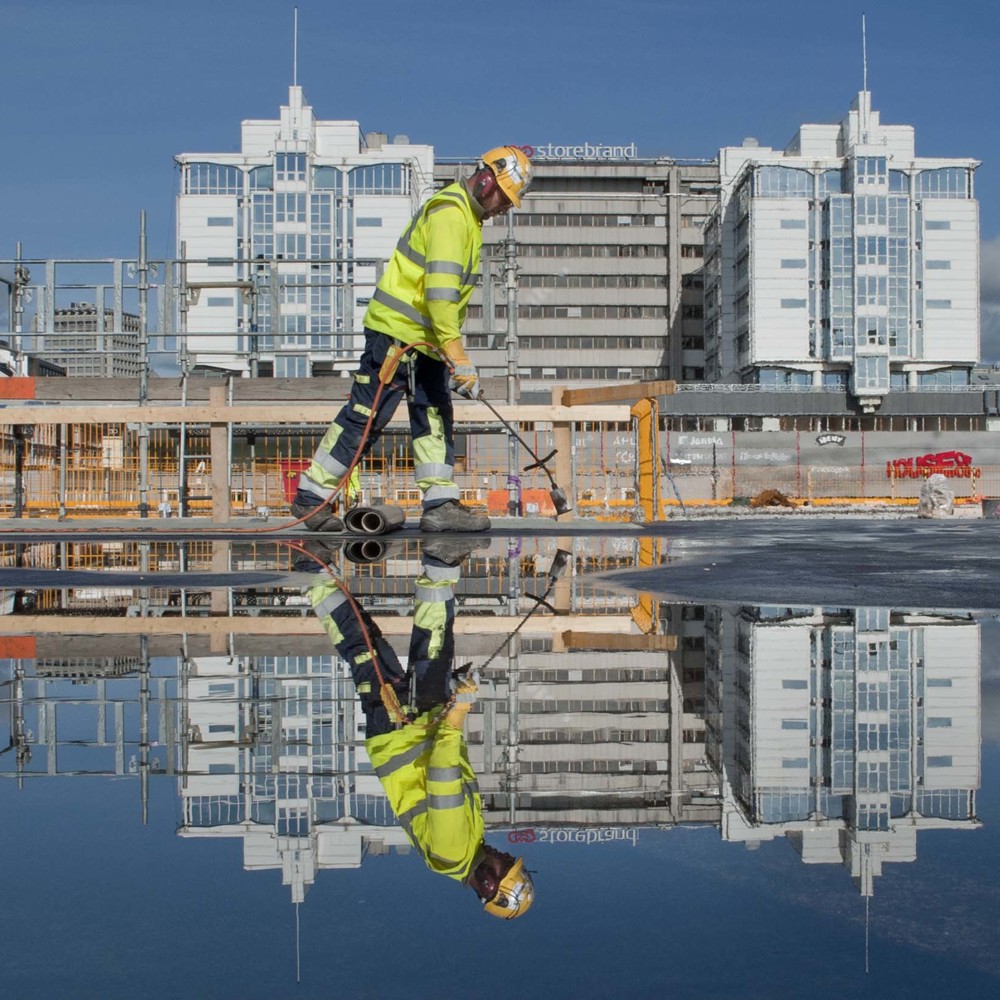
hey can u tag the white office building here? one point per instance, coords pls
(843, 260)
(286, 238)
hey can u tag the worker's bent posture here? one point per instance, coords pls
(424, 765)
(421, 298)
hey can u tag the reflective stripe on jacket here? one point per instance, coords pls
(425, 290)
(425, 771)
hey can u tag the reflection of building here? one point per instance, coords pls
(283, 239)
(845, 731)
(272, 753)
(581, 738)
(844, 260)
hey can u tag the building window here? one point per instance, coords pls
(692, 250)
(947, 182)
(367, 222)
(937, 224)
(870, 170)
(872, 250)
(219, 220)
(794, 724)
(290, 166)
(939, 722)
(794, 762)
(219, 301)
(795, 685)
(937, 265)
(380, 178)
(793, 303)
(939, 682)
(793, 223)
(290, 246)
(327, 179)
(939, 761)
(783, 182)
(213, 178)
(871, 210)
(792, 263)
(937, 303)
(899, 182)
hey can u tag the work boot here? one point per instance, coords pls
(452, 516)
(452, 551)
(318, 517)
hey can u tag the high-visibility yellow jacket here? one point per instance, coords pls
(425, 771)
(426, 287)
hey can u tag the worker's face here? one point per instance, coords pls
(496, 203)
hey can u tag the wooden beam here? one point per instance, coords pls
(617, 642)
(626, 393)
(268, 414)
(545, 626)
(218, 436)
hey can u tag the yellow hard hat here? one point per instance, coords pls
(512, 169)
(516, 892)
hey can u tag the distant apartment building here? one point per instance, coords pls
(846, 731)
(608, 248)
(285, 240)
(87, 339)
(844, 260)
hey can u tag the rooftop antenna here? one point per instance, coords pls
(295, 48)
(868, 900)
(864, 77)
(298, 951)
(864, 52)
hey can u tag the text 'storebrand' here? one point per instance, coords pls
(601, 835)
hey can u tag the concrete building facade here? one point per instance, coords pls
(608, 255)
(86, 339)
(843, 260)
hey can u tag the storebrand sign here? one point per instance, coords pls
(586, 151)
(574, 835)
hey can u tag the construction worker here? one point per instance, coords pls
(423, 763)
(420, 299)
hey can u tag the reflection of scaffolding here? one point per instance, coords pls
(96, 716)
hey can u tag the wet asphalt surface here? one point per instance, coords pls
(833, 562)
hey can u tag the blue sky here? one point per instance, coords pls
(101, 95)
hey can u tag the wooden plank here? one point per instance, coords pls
(160, 389)
(627, 393)
(391, 625)
(264, 414)
(601, 641)
(219, 448)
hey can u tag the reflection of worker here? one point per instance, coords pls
(421, 298)
(424, 764)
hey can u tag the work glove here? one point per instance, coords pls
(465, 696)
(464, 377)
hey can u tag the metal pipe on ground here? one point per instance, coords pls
(379, 520)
